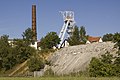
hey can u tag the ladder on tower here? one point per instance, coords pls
(68, 26)
(62, 33)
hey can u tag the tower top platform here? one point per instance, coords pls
(67, 15)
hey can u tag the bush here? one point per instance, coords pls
(74, 39)
(105, 66)
(49, 72)
(95, 67)
(108, 37)
(50, 40)
(35, 64)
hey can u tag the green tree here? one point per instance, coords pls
(108, 67)
(103, 66)
(16, 52)
(50, 40)
(108, 37)
(74, 39)
(22, 48)
(35, 64)
(22, 51)
(5, 53)
(117, 61)
(95, 67)
(107, 58)
(28, 36)
(117, 64)
(82, 34)
(116, 39)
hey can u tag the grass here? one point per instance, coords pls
(59, 78)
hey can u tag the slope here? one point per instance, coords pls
(76, 58)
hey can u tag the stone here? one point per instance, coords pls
(76, 58)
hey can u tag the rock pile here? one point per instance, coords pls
(76, 58)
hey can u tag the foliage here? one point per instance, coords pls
(108, 37)
(49, 72)
(117, 61)
(5, 53)
(116, 39)
(105, 66)
(113, 37)
(35, 64)
(22, 51)
(82, 34)
(15, 52)
(74, 39)
(78, 36)
(22, 46)
(95, 67)
(107, 58)
(50, 40)
(28, 37)
(117, 64)
(59, 78)
(110, 66)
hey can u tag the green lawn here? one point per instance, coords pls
(58, 78)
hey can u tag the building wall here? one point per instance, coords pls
(34, 45)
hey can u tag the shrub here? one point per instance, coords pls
(49, 72)
(105, 66)
(35, 64)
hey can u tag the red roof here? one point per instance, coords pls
(93, 39)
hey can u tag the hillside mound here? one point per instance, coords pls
(76, 58)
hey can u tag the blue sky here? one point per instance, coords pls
(97, 16)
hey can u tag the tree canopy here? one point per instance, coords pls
(82, 34)
(28, 36)
(107, 65)
(50, 40)
(108, 37)
(15, 51)
(78, 36)
(74, 39)
(35, 64)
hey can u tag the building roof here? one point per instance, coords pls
(93, 39)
